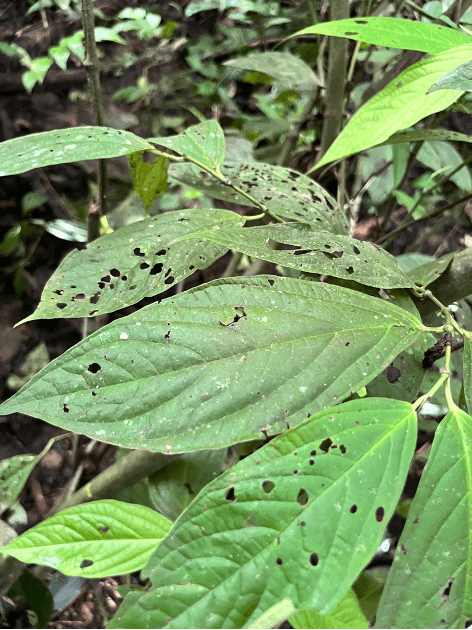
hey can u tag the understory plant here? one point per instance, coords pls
(291, 399)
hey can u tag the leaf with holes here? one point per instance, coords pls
(433, 559)
(139, 260)
(227, 362)
(282, 190)
(399, 105)
(96, 539)
(204, 143)
(392, 32)
(402, 379)
(316, 252)
(289, 71)
(149, 179)
(297, 519)
(66, 145)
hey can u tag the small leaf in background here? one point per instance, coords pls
(34, 361)
(284, 191)
(30, 591)
(427, 134)
(290, 72)
(96, 539)
(443, 157)
(429, 584)
(253, 536)
(14, 473)
(369, 588)
(392, 33)
(204, 143)
(423, 275)
(139, 260)
(458, 79)
(22, 154)
(399, 105)
(149, 179)
(314, 252)
(347, 614)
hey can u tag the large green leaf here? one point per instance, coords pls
(393, 33)
(467, 372)
(284, 191)
(290, 72)
(314, 252)
(399, 105)
(139, 260)
(229, 361)
(96, 539)
(204, 143)
(66, 145)
(429, 584)
(297, 519)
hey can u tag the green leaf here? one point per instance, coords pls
(96, 539)
(425, 274)
(458, 79)
(66, 145)
(402, 379)
(392, 33)
(275, 615)
(139, 260)
(399, 105)
(253, 536)
(284, 191)
(37, 597)
(467, 375)
(443, 157)
(204, 143)
(347, 614)
(429, 584)
(14, 473)
(289, 71)
(227, 362)
(316, 252)
(149, 179)
(427, 134)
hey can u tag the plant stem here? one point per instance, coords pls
(336, 80)
(92, 66)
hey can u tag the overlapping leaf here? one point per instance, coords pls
(139, 260)
(430, 582)
(289, 71)
(313, 252)
(284, 191)
(347, 614)
(425, 274)
(66, 145)
(393, 33)
(297, 519)
(204, 143)
(96, 539)
(399, 105)
(229, 361)
(458, 79)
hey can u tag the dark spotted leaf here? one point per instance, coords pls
(392, 32)
(204, 143)
(297, 519)
(139, 260)
(284, 191)
(230, 361)
(66, 145)
(313, 252)
(97, 539)
(433, 559)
